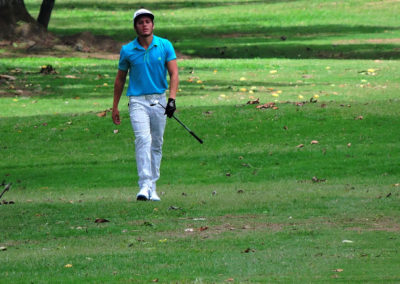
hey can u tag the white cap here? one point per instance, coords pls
(142, 12)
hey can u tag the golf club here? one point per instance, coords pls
(180, 122)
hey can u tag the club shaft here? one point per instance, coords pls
(184, 126)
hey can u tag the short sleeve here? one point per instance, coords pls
(170, 51)
(123, 61)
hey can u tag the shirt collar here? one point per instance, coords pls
(155, 42)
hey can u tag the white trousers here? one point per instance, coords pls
(148, 122)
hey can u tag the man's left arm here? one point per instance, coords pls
(172, 67)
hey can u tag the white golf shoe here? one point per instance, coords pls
(154, 196)
(144, 194)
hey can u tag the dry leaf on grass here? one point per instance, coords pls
(101, 114)
(255, 102)
(101, 220)
(267, 105)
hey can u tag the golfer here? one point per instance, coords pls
(147, 58)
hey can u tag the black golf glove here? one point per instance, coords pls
(171, 107)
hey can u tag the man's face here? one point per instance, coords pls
(144, 26)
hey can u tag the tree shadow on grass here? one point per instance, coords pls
(155, 5)
(243, 41)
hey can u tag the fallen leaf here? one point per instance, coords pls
(155, 280)
(101, 114)
(300, 146)
(68, 265)
(116, 131)
(360, 117)
(314, 142)
(349, 145)
(338, 270)
(47, 69)
(173, 208)
(101, 220)
(70, 77)
(230, 280)
(249, 250)
(242, 79)
(201, 229)
(315, 179)
(267, 105)
(255, 102)
(388, 195)
(8, 77)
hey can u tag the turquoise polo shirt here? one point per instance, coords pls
(147, 68)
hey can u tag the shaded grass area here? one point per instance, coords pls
(246, 29)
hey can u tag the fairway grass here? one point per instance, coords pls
(242, 206)
(272, 232)
(305, 191)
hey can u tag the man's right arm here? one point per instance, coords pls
(118, 89)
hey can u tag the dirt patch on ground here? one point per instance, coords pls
(205, 228)
(382, 2)
(85, 45)
(374, 41)
(386, 225)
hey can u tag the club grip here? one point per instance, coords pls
(195, 136)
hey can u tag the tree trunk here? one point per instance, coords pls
(12, 11)
(15, 21)
(45, 12)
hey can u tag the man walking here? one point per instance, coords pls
(148, 58)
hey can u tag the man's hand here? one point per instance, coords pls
(115, 116)
(171, 107)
